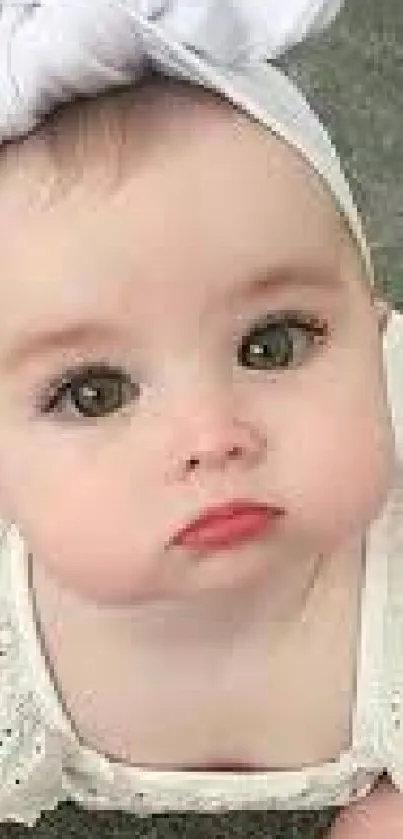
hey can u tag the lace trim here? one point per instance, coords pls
(394, 645)
(174, 795)
(394, 617)
(30, 752)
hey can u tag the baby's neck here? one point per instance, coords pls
(208, 619)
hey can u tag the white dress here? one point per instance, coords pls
(43, 763)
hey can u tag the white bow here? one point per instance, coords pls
(51, 50)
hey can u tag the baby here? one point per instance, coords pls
(197, 454)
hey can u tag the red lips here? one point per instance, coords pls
(227, 524)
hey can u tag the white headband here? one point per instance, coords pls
(52, 50)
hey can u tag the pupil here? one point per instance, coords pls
(272, 344)
(102, 396)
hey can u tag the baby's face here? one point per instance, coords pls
(219, 308)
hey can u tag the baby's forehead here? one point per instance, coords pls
(96, 147)
(120, 131)
(111, 137)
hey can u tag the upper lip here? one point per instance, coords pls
(223, 509)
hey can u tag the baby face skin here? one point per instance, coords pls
(201, 399)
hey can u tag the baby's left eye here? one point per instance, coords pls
(279, 341)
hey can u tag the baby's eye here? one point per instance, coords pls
(280, 340)
(97, 390)
(91, 392)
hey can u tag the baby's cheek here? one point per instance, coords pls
(343, 469)
(85, 520)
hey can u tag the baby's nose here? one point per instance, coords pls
(217, 446)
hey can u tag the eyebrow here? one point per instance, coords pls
(90, 332)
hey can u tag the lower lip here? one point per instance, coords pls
(225, 531)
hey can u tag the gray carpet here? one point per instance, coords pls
(354, 77)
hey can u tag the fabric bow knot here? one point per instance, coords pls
(51, 50)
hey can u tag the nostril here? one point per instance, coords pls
(236, 451)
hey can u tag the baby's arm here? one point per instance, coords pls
(378, 815)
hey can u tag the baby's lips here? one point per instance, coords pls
(227, 522)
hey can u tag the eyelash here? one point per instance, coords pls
(51, 402)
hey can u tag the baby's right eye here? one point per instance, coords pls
(94, 391)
